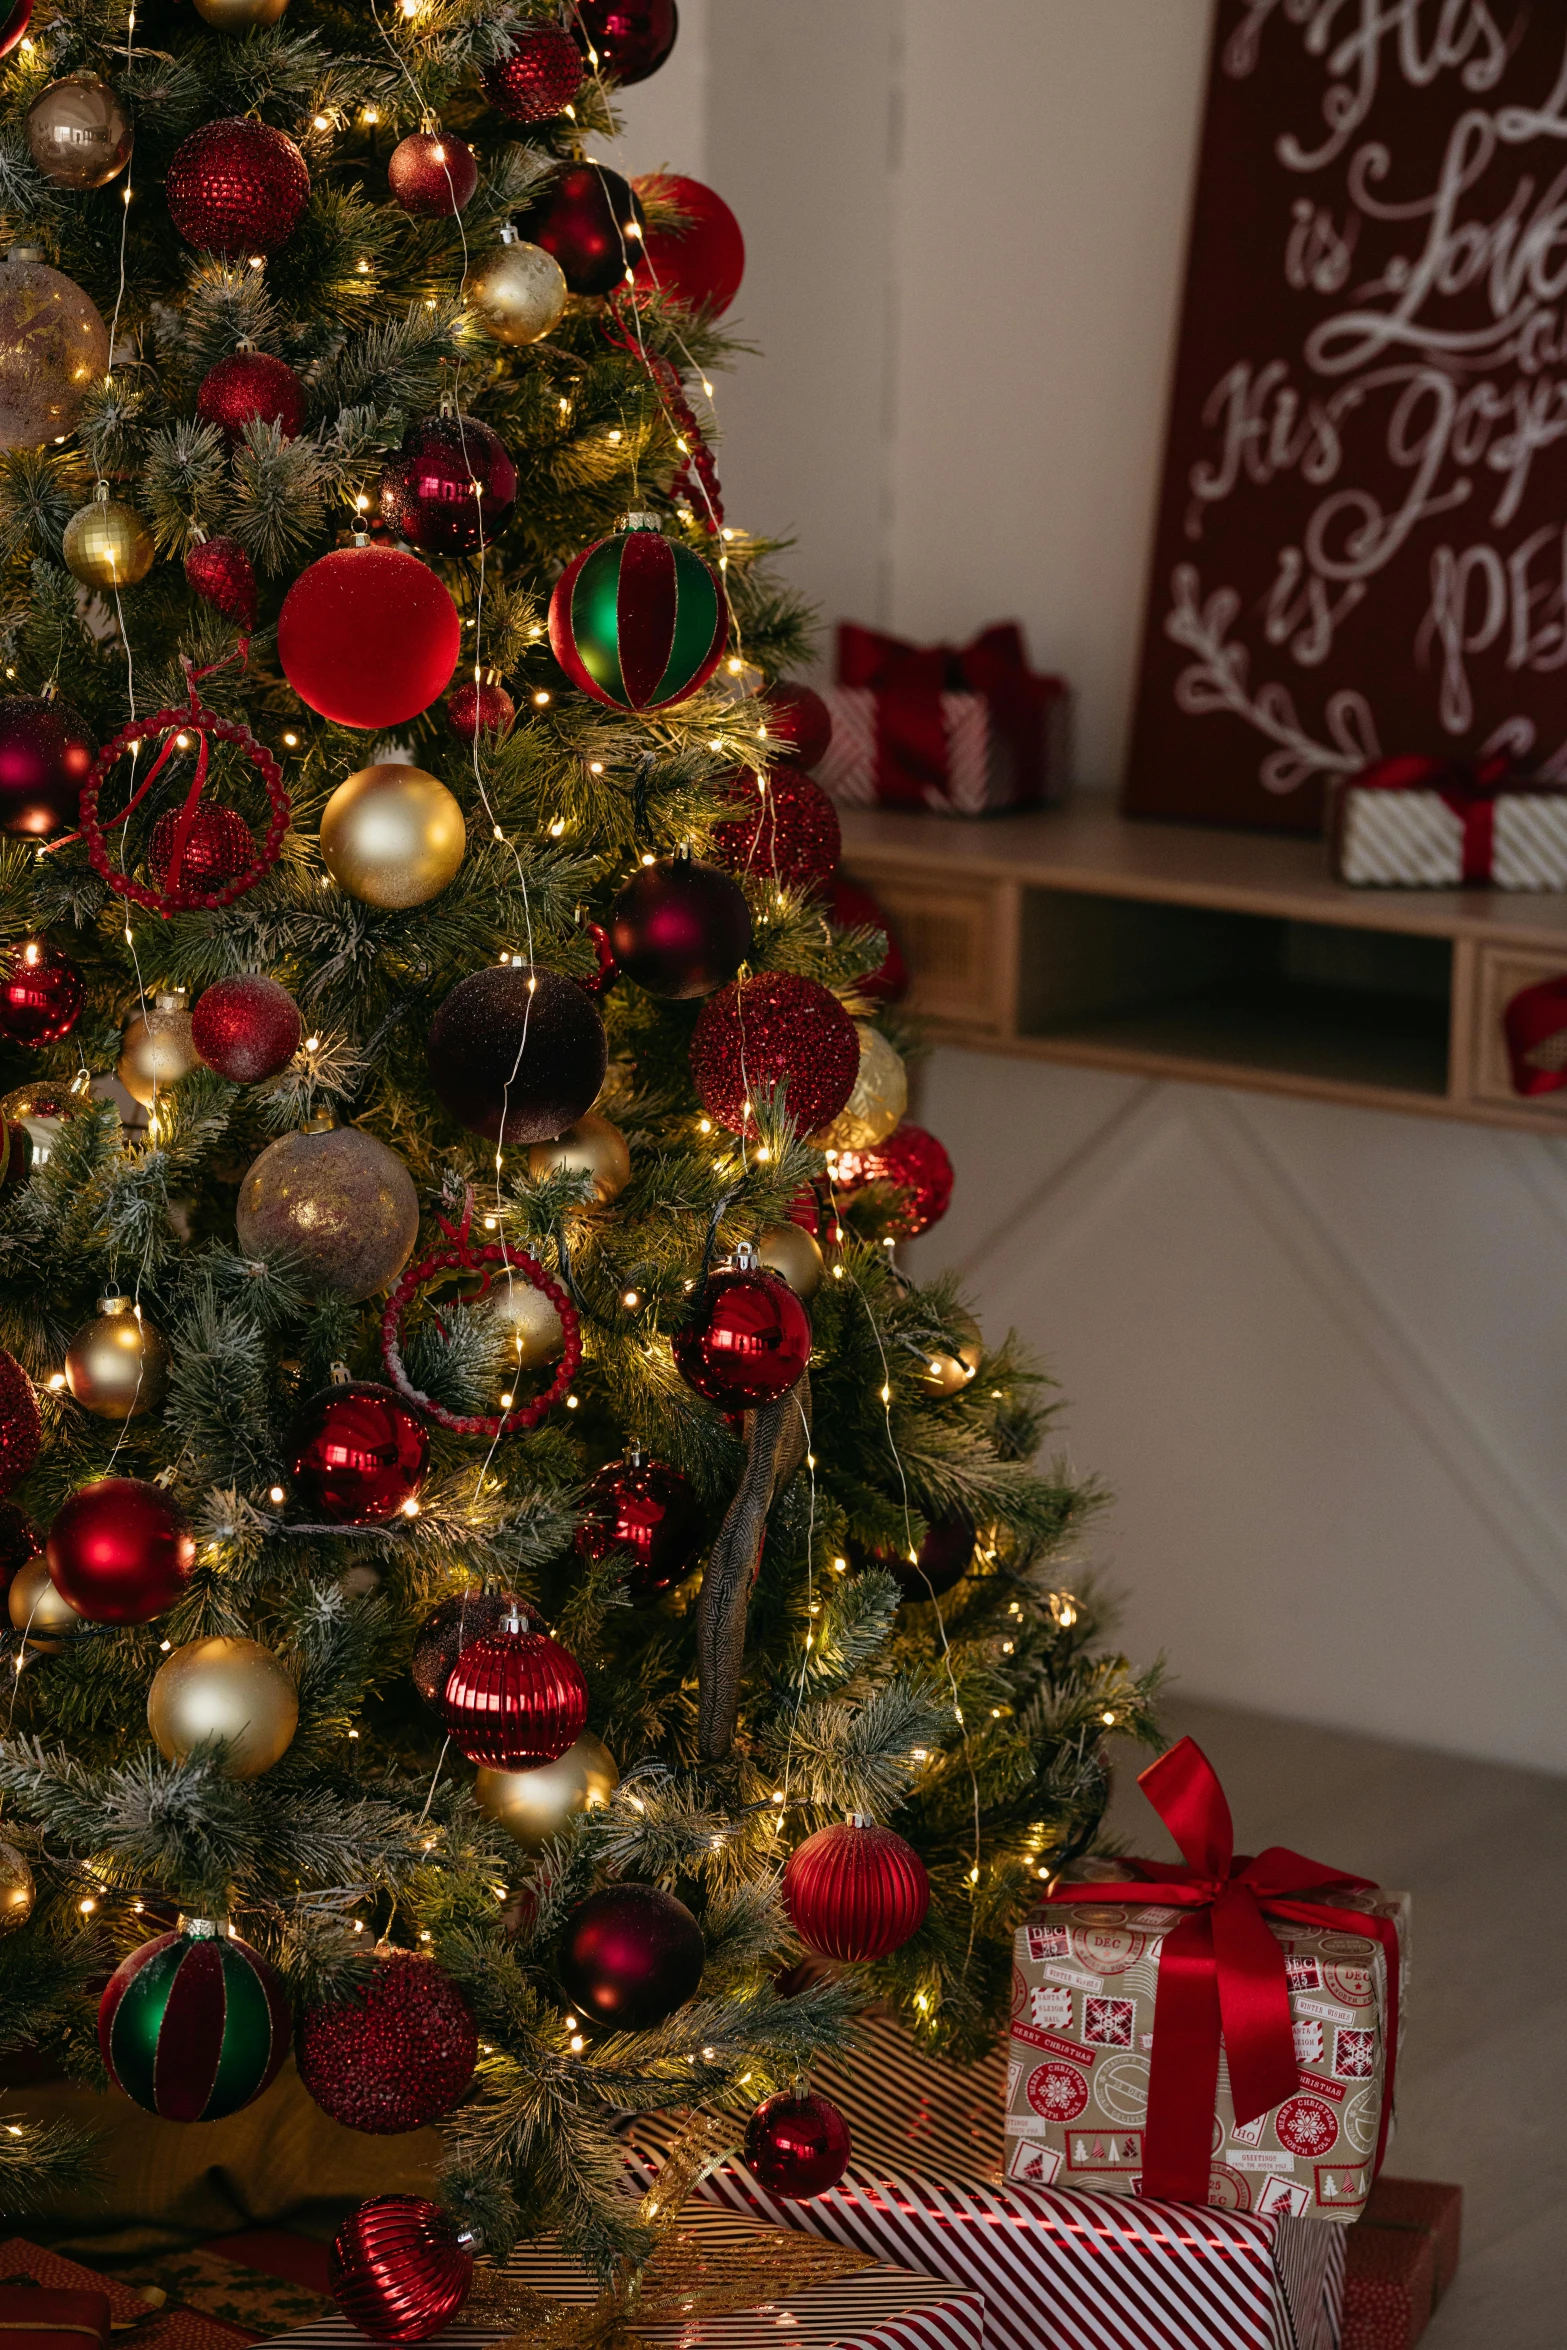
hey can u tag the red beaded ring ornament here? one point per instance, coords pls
(464, 1257)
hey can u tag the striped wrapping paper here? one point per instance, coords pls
(1416, 840)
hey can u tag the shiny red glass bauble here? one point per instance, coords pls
(398, 2269)
(539, 76)
(217, 846)
(251, 387)
(222, 574)
(450, 1628)
(855, 1891)
(451, 487)
(582, 217)
(396, 2054)
(247, 1028)
(120, 1551)
(237, 186)
(797, 2146)
(776, 1029)
(650, 1509)
(480, 706)
(630, 1955)
(913, 1161)
(46, 753)
(431, 174)
(798, 723)
(359, 1453)
(853, 908)
(517, 1063)
(515, 1700)
(607, 970)
(21, 1433)
(680, 928)
(748, 1339)
(701, 262)
(788, 830)
(368, 636)
(630, 38)
(41, 994)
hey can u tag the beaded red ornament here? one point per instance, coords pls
(41, 994)
(537, 78)
(216, 845)
(237, 186)
(251, 387)
(855, 1891)
(797, 2147)
(246, 1029)
(789, 831)
(515, 1699)
(221, 573)
(21, 1431)
(912, 1161)
(398, 2054)
(462, 1256)
(775, 1029)
(430, 175)
(480, 705)
(400, 2269)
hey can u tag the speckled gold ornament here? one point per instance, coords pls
(533, 1806)
(790, 1250)
(156, 1049)
(233, 1690)
(17, 1890)
(592, 1147)
(117, 1366)
(392, 836)
(79, 132)
(517, 290)
(54, 347)
(339, 1201)
(879, 1099)
(526, 1319)
(45, 1616)
(107, 544)
(239, 16)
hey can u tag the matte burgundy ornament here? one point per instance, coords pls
(680, 928)
(120, 1551)
(396, 2054)
(630, 1955)
(480, 705)
(218, 846)
(748, 1338)
(798, 723)
(359, 1454)
(776, 1029)
(451, 487)
(797, 2147)
(515, 1699)
(450, 1628)
(538, 78)
(237, 186)
(251, 387)
(855, 1891)
(701, 262)
(945, 1556)
(46, 754)
(220, 572)
(431, 175)
(514, 1062)
(648, 1508)
(910, 1160)
(247, 1028)
(788, 830)
(399, 2269)
(21, 1434)
(368, 636)
(630, 38)
(41, 994)
(581, 218)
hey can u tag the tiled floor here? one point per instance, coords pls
(1483, 2088)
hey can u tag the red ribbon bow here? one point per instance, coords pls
(1221, 1972)
(913, 765)
(1469, 791)
(1535, 1026)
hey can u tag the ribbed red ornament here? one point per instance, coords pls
(247, 1028)
(775, 1029)
(399, 2053)
(855, 1891)
(538, 78)
(217, 847)
(430, 175)
(797, 2146)
(515, 1700)
(251, 387)
(41, 994)
(220, 572)
(480, 706)
(787, 830)
(399, 2270)
(21, 1431)
(237, 186)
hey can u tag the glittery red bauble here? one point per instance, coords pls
(397, 2054)
(368, 636)
(21, 1431)
(769, 1031)
(451, 487)
(479, 706)
(46, 752)
(701, 262)
(237, 186)
(789, 831)
(359, 1453)
(515, 1700)
(246, 1029)
(748, 1339)
(40, 994)
(220, 572)
(455, 1625)
(630, 38)
(537, 78)
(19, 1539)
(797, 2146)
(650, 1509)
(251, 387)
(217, 846)
(798, 723)
(14, 22)
(912, 1160)
(120, 1551)
(517, 1063)
(431, 174)
(855, 1891)
(398, 2271)
(680, 928)
(581, 217)
(853, 908)
(630, 1955)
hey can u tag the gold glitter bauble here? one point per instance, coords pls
(233, 1690)
(525, 1318)
(79, 132)
(45, 1616)
(156, 1049)
(238, 16)
(518, 291)
(790, 1250)
(533, 1806)
(17, 1890)
(107, 545)
(592, 1147)
(879, 1099)
(392, 836)
(338, 1201)
(53, 348)
(118, 1366)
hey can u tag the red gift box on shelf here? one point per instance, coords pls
(1420, 823)
(966, 731)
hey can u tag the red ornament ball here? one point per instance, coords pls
(853, 908)
(798, 723)
(748, 1338)
(680, 928)
(41, 994)
(797, 2147)
(608, 970)
(368, 636)
(630, 1955)
(46, 752)
(217, 846)
(251, 387)
(701, 262)
(855, 1891)
(630, 38)
(648, 1508)
(538, 78)
(912, 1161)
(776, 1029)
(582, 217)
(13, 24)
(398, 2269)
(359, 1453)
(237, 186)
(455, 1625)
(246, 1029)
(451, 487)
(120, 1551)
(480, 705)
(945, 1556)
(514, 1061)
(431, 174)
(221, 573)
(789, 831)
(21, 1434)
(398, 2054)
(515, 1699)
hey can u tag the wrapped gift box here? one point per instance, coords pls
(1425, 2207)
(964, 731)
(1403, 2255)
(1416, 823)
(36, 2317)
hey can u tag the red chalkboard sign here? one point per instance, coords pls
(1362, 539)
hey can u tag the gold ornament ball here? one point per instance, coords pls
(392, 836)
(533, 1806)
(339, 1201)
(790, 1250)
(44, 1615)
(592, 1147)
(79, 132)
(526, 1319)
(108, 545)
(239, 16)
(518, 291)
(230, 1690)
(156, 1049)
(944, 1374)
(879, 1099)
(54, 347)
(41, 1109)
(118, 1366)
(17, 1890)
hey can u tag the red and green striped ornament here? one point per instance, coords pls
(638, 621)
(194, 2025)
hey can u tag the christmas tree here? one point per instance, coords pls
(441, 1119)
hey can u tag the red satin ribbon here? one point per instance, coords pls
(909, 681)
(1222, 1972)
(1470, 792)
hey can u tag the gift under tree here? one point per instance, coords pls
(451, 1167)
